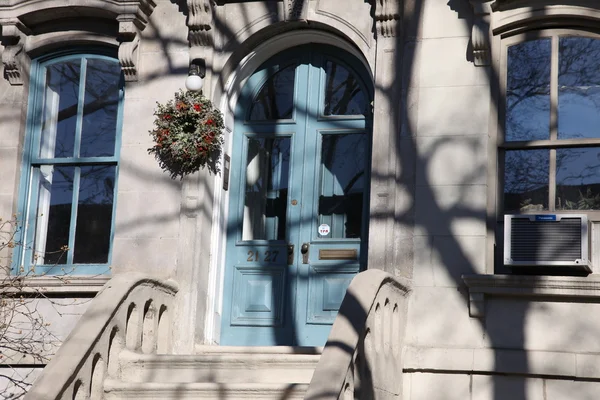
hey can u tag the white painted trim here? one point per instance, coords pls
(228, 101)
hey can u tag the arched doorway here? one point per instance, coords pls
(297, 223)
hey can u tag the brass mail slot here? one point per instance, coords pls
(338, 254)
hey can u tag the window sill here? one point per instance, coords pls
(61, 285)
(554, 287)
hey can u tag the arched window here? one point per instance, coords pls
(70, 164)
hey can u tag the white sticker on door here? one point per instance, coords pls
(324, 230)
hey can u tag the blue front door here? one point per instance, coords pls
(297, 226)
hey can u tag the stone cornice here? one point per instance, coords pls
(558, 287)
(132, 17)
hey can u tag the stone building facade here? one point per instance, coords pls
(384, 134)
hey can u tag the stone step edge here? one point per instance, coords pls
(111, 385)
(209, 349)
(220, 360)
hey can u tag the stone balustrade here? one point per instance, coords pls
(131, 312)
(363, 355)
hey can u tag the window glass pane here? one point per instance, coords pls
(343, 160)
(526, 180)
(101, 105)
(578, 179)
(275, 100)
(53, 215)
(343, 95)
(579, 88)
(528, 91)
(94, 214)
(267, 175)
(59, 116)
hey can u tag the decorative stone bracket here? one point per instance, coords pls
(129, 37)
(295, 10)
(132, 16)
(387, 16)
(480, 34)
(200, 18)
(14, 34)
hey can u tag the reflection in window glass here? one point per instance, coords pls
(74, 172)
(94, 214)
(265, 201)
(53, 215)
(59, 117)
(101, 104)
(526, 180)
(578, 179)
(343, 160)
(275, 100)
(578, 88)
(528, 91)
(343, 94)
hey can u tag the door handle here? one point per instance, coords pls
(304, 251)
(290, 254)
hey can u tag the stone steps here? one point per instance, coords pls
(215, 372)
(232, 365)
(118, 390)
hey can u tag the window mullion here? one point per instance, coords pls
(80, 107)
(553, 123)
(552, 181)
(554, 90)
(72, 225)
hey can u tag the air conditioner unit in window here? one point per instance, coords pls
(546, 240)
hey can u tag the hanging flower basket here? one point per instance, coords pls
(187, 134)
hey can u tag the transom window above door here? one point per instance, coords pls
(68, 186)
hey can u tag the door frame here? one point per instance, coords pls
(227, 101)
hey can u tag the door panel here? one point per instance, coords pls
(297, 211)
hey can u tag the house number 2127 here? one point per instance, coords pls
(269, 256)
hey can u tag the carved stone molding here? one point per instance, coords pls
(200, 18)
(387, 17)
(17, 15)
(480, 34)
(295, 10)
(129, 38)
(13, 39)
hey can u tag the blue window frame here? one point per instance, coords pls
(70, 164)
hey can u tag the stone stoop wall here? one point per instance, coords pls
(428, 386)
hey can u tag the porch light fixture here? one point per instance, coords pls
(195, 79)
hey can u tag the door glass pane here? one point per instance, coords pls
(528, 91)
(526, 180)
(101, 105)
(94, 214)
(578, 179)
(53, 214)
(342, 184)
(275, 100)
(343, 94)
(267, 179)
(59, 115)
(578, 88)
